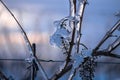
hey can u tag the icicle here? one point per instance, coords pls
(26, 40)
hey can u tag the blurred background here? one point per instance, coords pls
(37, 18)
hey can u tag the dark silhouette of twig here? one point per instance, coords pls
(108, 54)
(2, 76)
(114, 45)
(20, 26)
(66, 66)
(108, 34)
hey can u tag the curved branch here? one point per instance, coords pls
(84, 46)
(27, 41)
(20, 26)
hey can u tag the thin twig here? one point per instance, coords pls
(101, 62)
(58, 75)
(108, 34)
(108, 54)
(84, 46)
(26, 39)
(114, 45)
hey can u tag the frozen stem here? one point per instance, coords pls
(81, 8)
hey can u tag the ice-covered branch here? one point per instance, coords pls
(21, 29)
(65, 68)
(108, 34)
(72, 7)
(114, 45)
(78, 59)
(104, 53)
(57, 75)
(80, 12)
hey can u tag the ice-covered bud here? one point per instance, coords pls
(61, 35)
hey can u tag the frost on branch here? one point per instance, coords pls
(77, 60)
(62, 35)
(67, 31)
(82, 62)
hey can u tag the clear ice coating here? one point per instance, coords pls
(56, 40)
(63, 31)
(77, 60)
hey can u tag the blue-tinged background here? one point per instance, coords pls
(37, 18)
